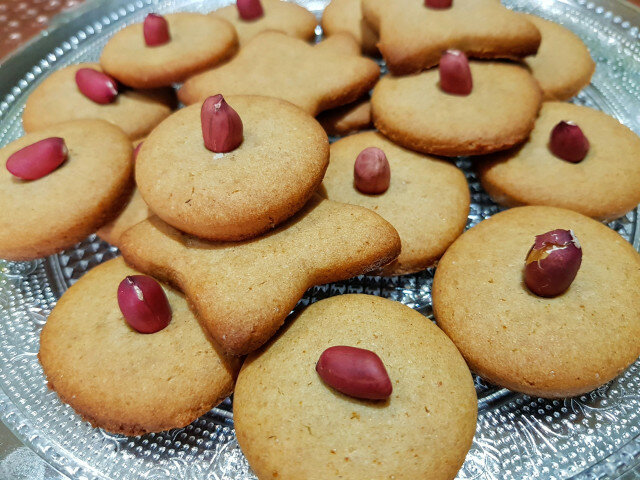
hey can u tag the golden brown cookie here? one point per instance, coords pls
(413, 36)
(500, 111)
(57, 99)
(280, 16)
(242, 193)
(242, 292)
(563, 65)
(124, 381)
(197, 42)
(135, 211)
(550, 347)
(346, 16)
(427, 201)
(284, 412)
(605, 185)
(347, 119)
(315, 78)
(40, 217)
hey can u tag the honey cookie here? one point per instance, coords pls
(276, 15)
(413, 35)
(315, 78)
(347, 119)
(563, 64)
(346, 16)
(284, 411)
(61, 184)
(244, 192)
(156, 54)
(605, 184)
(500, 110)
(135, 211)
(59, 99)
(427, 200)
(124, 381)
(549, 347)
(242, 292)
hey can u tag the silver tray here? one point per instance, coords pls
(594, 436)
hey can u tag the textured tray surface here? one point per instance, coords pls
(592, 436)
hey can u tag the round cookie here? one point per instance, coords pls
(499, 112)
(605, 185)
(135, 211)
(284, 412)
(57, 99)
(41, 217)
(280, 16)
(124, 381)
(563, 65)
(427, 201)
(347, 119)
(240, 194)
(346, 16)
(197, 42)
(549, 347)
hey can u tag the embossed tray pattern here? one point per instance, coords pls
(594, 436)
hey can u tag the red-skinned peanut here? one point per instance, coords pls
(438, 4)
(96, 86)
(250, 9)
(568, 142)
(143, 304)
(38, 159)
(155, 30)
(355, 372)
(221, 125)
(371, 171)
(136, 150)
(455, 73)
(552, 263)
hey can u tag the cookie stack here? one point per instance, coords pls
(230, 208)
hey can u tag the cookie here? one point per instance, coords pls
(413, 36)
(124, 381)
(283, 411)
(427, 201)
(563, 65)
(58, 99)
(280, 16)
(43, 216)
(135, 211)
(242, 292)
(605, 185)
(348, 118)
(416, 113)
(549, 347)
(315, 78)
(346, 16)
(197, 42)
(242, 193)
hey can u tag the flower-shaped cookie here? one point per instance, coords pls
(413, 35)
(315, 78)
